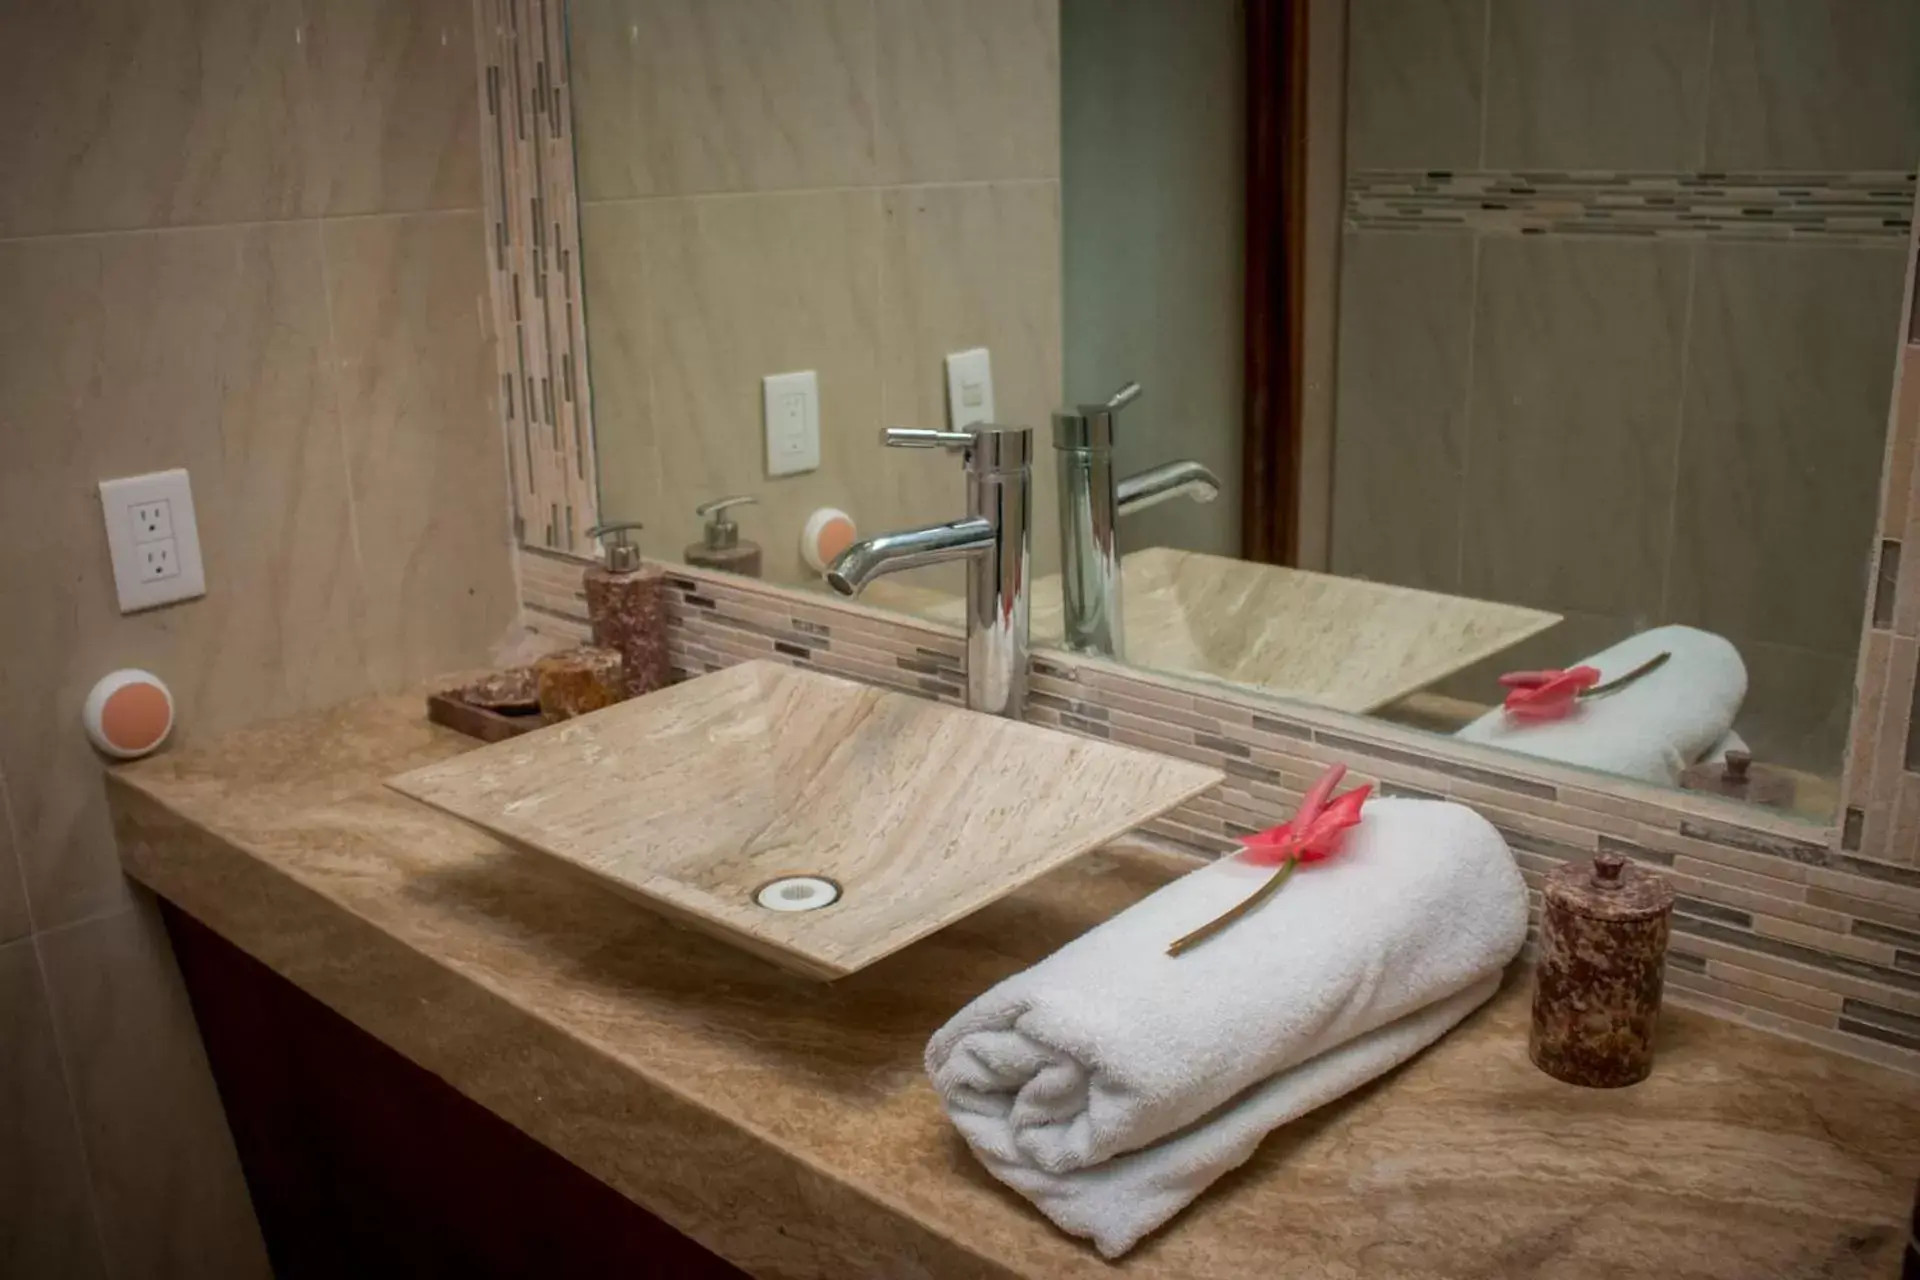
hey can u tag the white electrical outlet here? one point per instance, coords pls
(969, 388)
(153, 538)
(790, 403)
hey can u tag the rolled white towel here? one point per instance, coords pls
(1111, 1083)
(1652, 729)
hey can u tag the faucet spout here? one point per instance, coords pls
(1183, 479)
(991, 538)
(886, 553)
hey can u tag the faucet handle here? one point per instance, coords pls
(921, 438)
(1125, 396)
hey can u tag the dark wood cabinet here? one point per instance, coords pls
(363, 1164)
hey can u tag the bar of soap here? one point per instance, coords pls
(576, 681)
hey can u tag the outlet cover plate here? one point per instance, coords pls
(969, 388)
(790, 403)
(154, 539)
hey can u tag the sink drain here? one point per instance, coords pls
(797, 893)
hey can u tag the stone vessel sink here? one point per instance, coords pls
(730, 800)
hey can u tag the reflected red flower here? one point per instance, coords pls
(1546, 695)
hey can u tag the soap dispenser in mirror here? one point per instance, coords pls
(720, 546)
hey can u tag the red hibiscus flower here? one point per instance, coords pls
(1311, 835)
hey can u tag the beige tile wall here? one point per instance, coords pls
(242, 237)
(837, 185)
(1633, 420)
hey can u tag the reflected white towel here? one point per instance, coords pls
(1111, 1083)
(1652, 729)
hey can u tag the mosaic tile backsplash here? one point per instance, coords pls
(1773, 926)
(1832, 208)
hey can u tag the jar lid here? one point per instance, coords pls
(1609, 888)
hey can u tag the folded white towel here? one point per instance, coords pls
(1652, 729)
(1110, 1046)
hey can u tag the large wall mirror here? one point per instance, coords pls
(1593, 312)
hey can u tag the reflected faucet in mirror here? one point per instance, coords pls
(1091, 502)
(993, 538)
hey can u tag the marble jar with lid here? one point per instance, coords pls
(1603, 950)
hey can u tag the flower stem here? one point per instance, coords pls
(1648, 667)
(1215, 925)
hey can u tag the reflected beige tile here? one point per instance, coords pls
(1815, 86)
(171, 1197)
(968, 90)
(613, 265)
(1574, 406)
(1798, 706)
(963, 267)
(739, 288)
(1406, 302)
(128, 114)
(1577, 85)
(608, 100)
(1789, 378)
(396, 116)
(15, 920)
(680, 97)
(46, 1221)
(132, 353)
(1414, 83)
(424, 455)
(1575, 636)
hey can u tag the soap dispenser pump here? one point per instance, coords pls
(627, 609)
(720, 546)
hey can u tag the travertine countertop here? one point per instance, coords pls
(787, 1125)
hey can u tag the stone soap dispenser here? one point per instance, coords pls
(720, 546)
(627, 609)
(1603, 951)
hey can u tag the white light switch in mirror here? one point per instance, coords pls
(969, 388)
(791, 406)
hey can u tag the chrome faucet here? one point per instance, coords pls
(992, 538)
(1091, 502)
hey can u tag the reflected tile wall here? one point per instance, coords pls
(968, 89)
(1789, 375)
(1815, 86)
(1689, 217)
(1415, 83)
(326, 382)
(1406, 310)
(1572, 422)
(964, 267)
(812, 184)
(1577, 85)
(677, 97)
(737, 289)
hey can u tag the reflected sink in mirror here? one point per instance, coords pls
(1337, 642)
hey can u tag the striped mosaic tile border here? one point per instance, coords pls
(1773, 927)
(1881, 783)
(1870, 207)
(533, 255)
